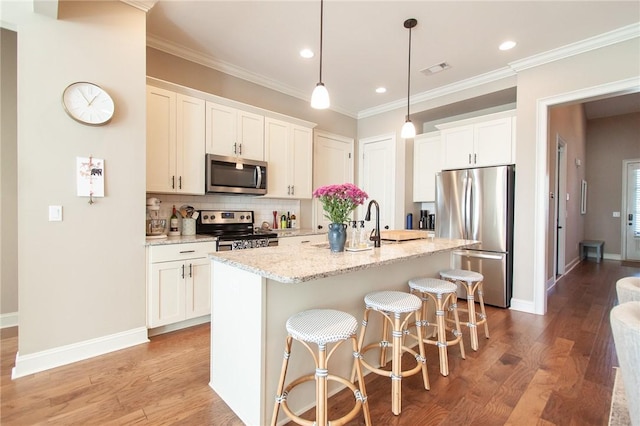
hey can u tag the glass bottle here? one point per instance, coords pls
(173, 221)
(355, 238)
(363, 236)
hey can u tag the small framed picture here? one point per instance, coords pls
(90, 176)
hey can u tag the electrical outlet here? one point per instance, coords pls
(55, 213)
(616, 214)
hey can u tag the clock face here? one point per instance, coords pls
(87, 103)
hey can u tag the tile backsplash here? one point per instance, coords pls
(261, 206)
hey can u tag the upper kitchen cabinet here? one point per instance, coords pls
(175, 142)
(289, 152)
(427, 162)
(234, 133)
(479, 142)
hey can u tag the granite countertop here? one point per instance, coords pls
(283, 233)
(301, 263)
(179, 240)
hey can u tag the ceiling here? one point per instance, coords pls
(365, 44)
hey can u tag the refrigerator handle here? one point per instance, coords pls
(467, 207)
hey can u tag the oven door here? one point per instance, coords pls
(235, 175)
(246, 244)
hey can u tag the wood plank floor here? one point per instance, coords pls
(555, 369)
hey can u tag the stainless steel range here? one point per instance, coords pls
(234, 229)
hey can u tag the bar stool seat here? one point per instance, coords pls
(443, 293)
(472, 282)
(396, 308)
(628, 289)
(321, 327)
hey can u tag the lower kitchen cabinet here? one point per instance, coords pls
(302, 239)
(178, 282)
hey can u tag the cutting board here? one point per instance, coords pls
(403, 235)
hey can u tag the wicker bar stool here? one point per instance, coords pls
(322, 327)
(394, 305)
(472, 283)
(628, 289)
(443, 294)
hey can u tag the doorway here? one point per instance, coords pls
(560, 207)
(631, 210)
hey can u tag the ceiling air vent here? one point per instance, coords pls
(435, 68)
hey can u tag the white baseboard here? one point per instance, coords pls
(179, 325)
(9, 320)
(63, 355)
(522, 305)
(612, 256)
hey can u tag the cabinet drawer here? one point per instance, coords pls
(302, 239)
(170, 252)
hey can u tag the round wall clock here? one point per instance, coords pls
(88, 103)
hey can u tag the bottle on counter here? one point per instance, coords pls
(294, 223)
(173, 221)
(283, 222)
(355, 238)
(288, 220)
(363, 236)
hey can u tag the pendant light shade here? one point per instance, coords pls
(408, 129)
(320, 95)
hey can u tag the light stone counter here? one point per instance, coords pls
(297, 264)
(253, 292)
(181, 239)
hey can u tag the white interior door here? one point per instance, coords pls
(332, 164)
(631, 219)
(377, 178)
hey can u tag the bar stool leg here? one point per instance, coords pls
(383, 347)
(283, 372)
(471, 305)
(442, 337)
(423, 353)
(363, 391)
(396, 367)
(321, 386)
(453, 306)
(365, 321)
(482, 310)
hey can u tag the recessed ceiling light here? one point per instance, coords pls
(507, 45)
(306, 53)
(381, 90)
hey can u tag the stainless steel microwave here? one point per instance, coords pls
(233, 175)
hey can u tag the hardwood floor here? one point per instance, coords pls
(555, 369)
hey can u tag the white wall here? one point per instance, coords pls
(82, 278)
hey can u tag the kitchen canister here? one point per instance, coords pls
(188, 226)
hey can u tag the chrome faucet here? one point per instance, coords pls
(375, 233)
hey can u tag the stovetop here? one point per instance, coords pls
(230, 225)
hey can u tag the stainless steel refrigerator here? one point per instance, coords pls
(477, 204)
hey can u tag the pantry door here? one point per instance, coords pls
(332, 164)
(377, 177)
(631, 212)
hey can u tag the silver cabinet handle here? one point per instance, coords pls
(240, 149)
(183, 271)
(190, 270)
(475, 158)
(293, 190)
(469, 158)
(173, 182)
(180, 182)
(187, 251)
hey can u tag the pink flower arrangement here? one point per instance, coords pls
(339, 201)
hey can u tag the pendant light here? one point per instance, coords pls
(408, 129)
(320, 95)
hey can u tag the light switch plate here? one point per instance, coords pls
(616, 214)
(55, 213)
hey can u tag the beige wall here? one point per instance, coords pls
(609, 141)
(568, 122)
(176, 70)
(8, 172)
(82, 278)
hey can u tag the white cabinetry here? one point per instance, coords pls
(479, 142)
(232, 132)
(175, 142)
(427, 162)
(289, 152)
(178, 282)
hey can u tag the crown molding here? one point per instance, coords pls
(232, 70)
(458, 86)
(612, 37)
(143, 5)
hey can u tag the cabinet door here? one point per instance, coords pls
(221, 129)
(377, 177)
(278, 157)
(457, 144)
(166, 294)
(190, 137)
(426, 163)
(250, 136)
(198, 287)
(493, 142)
(301, 144)
(161, 140)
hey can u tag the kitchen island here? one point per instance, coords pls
(255, 291)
